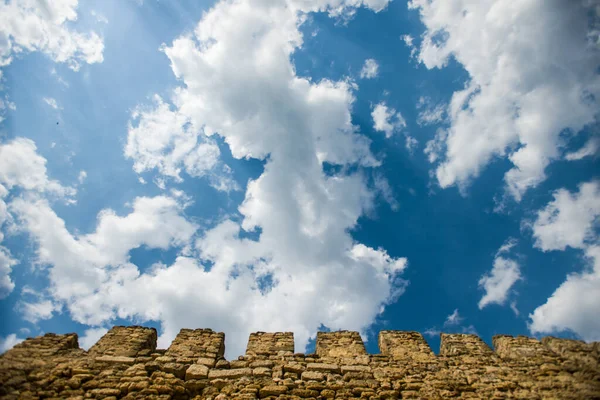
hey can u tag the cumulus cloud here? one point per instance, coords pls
(387, 120)
(533, 77)
(504, 274)
(32, 25)
(163, 138)
(571, 220)
(90, 337)
(370, 70)
(22, 166)
(304, 269)
(8, 342)
(574, 304)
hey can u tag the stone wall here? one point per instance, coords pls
(125, 364)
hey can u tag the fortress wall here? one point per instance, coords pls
(125, 364)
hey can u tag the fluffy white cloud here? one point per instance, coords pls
(168, 140)
(42, 25)
(36, 311)
(90, 337)
(387, 120)
(370, 69)
(6, 264)
(532, 68)
(8, 342)
(571, 220)
(575, 303)
(22, 166)
(498, 282)
(304, 269)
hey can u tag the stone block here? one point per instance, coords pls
(401, 345)
(197, 343)
(459, 344)
(229, 373)
(196, 371)
(126, 341)
(340, 344)
(266, 344)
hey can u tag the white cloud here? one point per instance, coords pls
(432, 332)
(589, 149)
(569, 219)
(36, 311)
(6, 264)
(452, 324)
(387, 120)
(20, 165)
(410, 143)
(408, 41)
(90, 337)
(383, 188)
(532, 69)
(8, 342)
(52, 103)
(31, 25)
(504, 274)
(430, 113)
(453, 319)
(370, 70)
(81, 177)
(305, 269)
(168, 140)
(575, 303)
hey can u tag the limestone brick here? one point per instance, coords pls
(193, 367)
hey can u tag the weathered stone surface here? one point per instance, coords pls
(196, 371)
(409, 346)
(264, 343)
(313, 375)
(193, 367)
(126, 341)
(116, 359)
(339, 344)
(323, 367)
(229, 373)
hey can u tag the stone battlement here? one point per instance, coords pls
(125, 363)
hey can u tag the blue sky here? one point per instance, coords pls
(301, 165)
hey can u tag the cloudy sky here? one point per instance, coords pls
(299, 165)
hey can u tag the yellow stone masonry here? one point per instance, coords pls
(125, 364)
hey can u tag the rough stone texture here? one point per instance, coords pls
(126, 341)
(340, 344)
(263, 343)
(122, 366)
